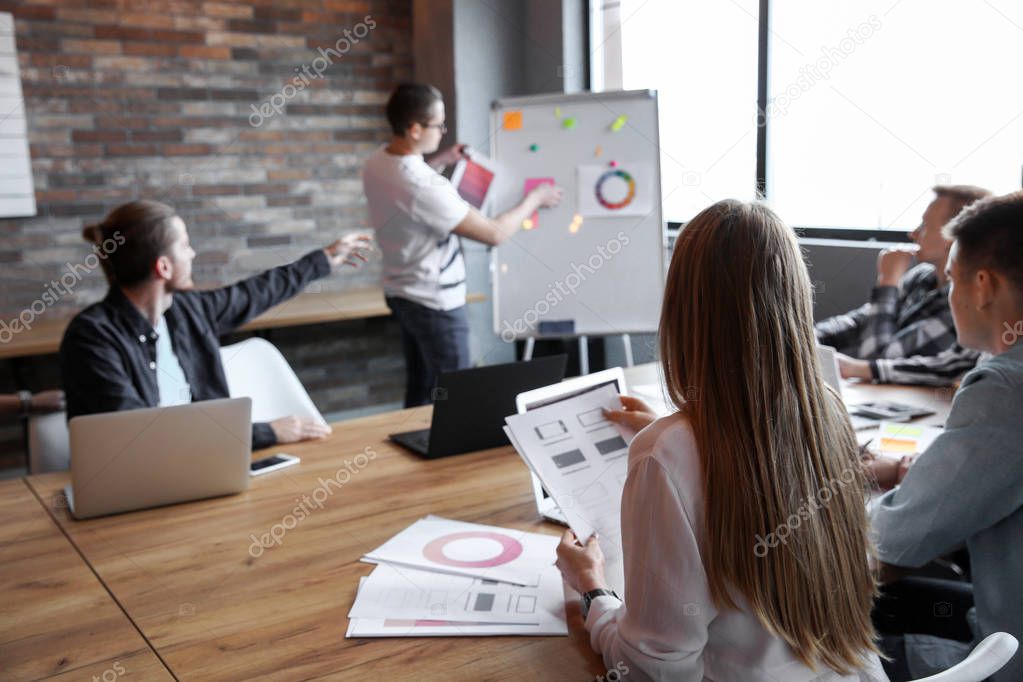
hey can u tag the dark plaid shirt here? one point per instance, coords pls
(906, 333)
(108, 355)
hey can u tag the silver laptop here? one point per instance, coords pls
(530, 400)
(136, 459)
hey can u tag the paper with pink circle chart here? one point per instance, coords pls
(490, 552)
(606, 191)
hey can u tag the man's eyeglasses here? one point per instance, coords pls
(439, 126)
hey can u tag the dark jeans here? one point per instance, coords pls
(920, 605)
(433, 341)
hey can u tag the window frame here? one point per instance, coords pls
(606, 70)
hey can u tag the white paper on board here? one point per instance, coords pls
(602, 187)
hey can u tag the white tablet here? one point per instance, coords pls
(474, 179)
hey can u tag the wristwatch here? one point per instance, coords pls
(593, 594)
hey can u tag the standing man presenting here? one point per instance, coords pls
(419, 218)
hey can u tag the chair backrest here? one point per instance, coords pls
(986, 659)
(49, 448)
(257, 370)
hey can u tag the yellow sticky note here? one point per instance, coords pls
(557, 112)
(512, 120)
(899, 446)
(619, 123)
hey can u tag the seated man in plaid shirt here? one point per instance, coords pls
(905, 335)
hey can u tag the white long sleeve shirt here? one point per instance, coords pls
(669, 628)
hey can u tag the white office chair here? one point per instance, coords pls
(986, 659)
(48, 446)
(256, 369)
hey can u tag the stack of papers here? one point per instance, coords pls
(582, 460)
(448, 578)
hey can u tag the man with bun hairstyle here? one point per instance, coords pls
(153, 341)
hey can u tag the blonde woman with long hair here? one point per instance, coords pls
(745, 536)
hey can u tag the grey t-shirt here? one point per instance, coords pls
(967, 487)
(413, 209)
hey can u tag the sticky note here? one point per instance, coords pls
(512, 120)
(619, 123)
(568, 122)
(598, 151)
(534, 220)
(557, 112)
(898, 446)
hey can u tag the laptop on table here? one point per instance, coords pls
(470, 406)
(136, 459)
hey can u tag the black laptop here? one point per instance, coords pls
(470, 405)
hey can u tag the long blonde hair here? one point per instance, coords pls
(738, 351)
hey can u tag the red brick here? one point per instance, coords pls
(98, 136)
(205, 51)
(187, 149)
(215, 190)
(159, 35)
(226, 11)
(48, 195)
(91, 46)
(156, 136)
(131, 150)
(71, 61)
(36, 13)
(121, 122)
(278, 188)
(150, 49)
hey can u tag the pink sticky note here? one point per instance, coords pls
(530, 184)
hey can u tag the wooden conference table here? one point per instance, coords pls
(190, 582)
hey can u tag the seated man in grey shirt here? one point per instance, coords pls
(967, 487)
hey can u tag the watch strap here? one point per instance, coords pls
(588, 598)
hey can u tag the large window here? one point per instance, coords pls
(701, 57)
(873, 102)
(869, 104)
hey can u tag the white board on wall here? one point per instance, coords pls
(17, 194)
(594, 265)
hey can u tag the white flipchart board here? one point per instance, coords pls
(594, 265)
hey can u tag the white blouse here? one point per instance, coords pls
(669, 628)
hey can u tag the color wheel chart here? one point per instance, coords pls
(610, 175)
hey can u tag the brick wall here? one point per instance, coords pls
(251, 118)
